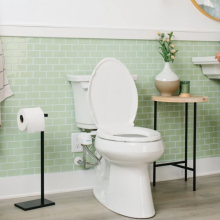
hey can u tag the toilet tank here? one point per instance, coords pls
(80, 86)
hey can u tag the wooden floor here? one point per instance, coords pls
(172, 199)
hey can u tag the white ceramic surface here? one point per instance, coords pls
(128, 134)
(112, 94)
(123, 184)
(80, 85)
(167, 74)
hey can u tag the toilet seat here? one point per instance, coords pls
(113, 102)
(128, 134)
(112, 94)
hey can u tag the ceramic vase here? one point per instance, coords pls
(167, 82)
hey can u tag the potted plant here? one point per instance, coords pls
(167, 82)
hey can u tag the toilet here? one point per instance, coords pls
(123, 183)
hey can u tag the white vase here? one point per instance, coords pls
(167, 82)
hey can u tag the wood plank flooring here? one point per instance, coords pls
(172, 199)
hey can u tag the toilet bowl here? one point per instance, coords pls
(123, 183)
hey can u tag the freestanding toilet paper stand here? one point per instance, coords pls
(42, 202)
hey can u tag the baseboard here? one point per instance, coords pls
(29, 185)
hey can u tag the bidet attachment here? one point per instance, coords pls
(85, 139)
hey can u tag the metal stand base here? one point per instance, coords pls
(34, 204)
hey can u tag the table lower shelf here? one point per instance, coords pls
(176, 164)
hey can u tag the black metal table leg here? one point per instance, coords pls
(186, 138)
(155, 128)
(194, 149)
(185, 161)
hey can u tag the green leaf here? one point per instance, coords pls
(170, 35)
(162, 55)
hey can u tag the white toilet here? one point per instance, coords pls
(123, 183)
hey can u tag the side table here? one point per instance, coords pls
(177, 99)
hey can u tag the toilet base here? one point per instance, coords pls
(128, 192)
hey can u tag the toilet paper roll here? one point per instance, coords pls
(31, 119)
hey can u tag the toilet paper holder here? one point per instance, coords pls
(42, 202)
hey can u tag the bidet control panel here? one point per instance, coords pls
(79, 139)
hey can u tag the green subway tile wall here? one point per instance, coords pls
(37, 69)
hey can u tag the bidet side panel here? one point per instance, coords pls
(102, 181)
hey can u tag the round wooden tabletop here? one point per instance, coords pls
(177, 99)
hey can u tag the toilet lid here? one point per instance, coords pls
(112, 94)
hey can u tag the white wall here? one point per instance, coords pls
(138, 19)
(141, 14)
